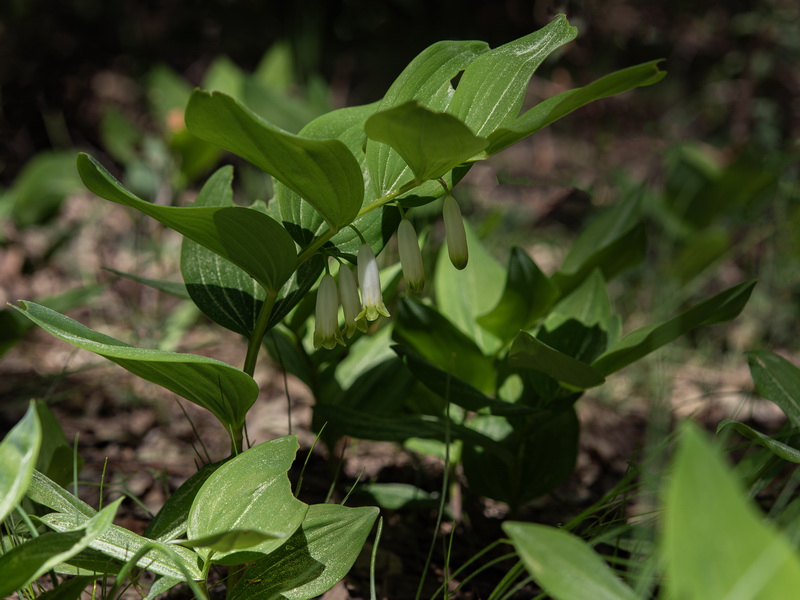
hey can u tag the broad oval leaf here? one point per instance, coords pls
(252, 492)
(218, 387)
(323, 172)
(426, 79)
(777, 380)
(493, 86)
(564, 565)
(223, 291)
(246, 237)
(25, 563)
(431, 143)
(18, 453)
(702, 500)
(314, 559)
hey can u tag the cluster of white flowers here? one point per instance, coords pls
(369, 305)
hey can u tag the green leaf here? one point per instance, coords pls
(225, 542)
(530, 353)
(722, 307)
(527, 295)
(398, 496)
(492, 88)
(777, 380)
(224, 292)
(220, 388)
(431, 143)
(564, 565)
(323, 172)
(431, 335)
(173, 288)
(246, 237)
(780, 449)
(426, 79)
(314, 559)
(613, 242)
(703, 501)
(528, 458)
(37, 192)
(171, 521)
(56, 459)
(48, 493)
(701, 250)
(466, 294)
(552, 109)
(456, 390)
(252, 492)
(70, 589)
(29, 561)
(122, 544)
(18, 453)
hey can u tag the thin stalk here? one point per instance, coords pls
(254, 344)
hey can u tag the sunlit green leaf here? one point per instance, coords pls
(561, 105)
(122, 544)
(564, 565)
(28, 561)
(426, 79)
(246, 237)
(18, 453)
(703, 501)
(492, 88)
(431, 143)
(250, 492)
(231, 540)
(220, 388)
(323, 172)
(314, 559)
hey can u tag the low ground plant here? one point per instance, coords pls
(449, 351)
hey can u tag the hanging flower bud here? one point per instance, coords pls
(410, 256)
(351, 303)
(326, 327)
(455, 233)
(370, 283)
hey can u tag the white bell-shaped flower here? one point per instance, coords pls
(370, 283)
(326, 326)
(410, 256)
(455, 234)
(351, 303)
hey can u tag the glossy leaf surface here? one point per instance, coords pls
(247, 238)
(18, 453)
(220, 388)
(30, 560)
(431, 143)
(323, 172)
(250, 492)
(314, 559)
(492, 88)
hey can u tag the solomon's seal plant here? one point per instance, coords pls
(511, 355)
